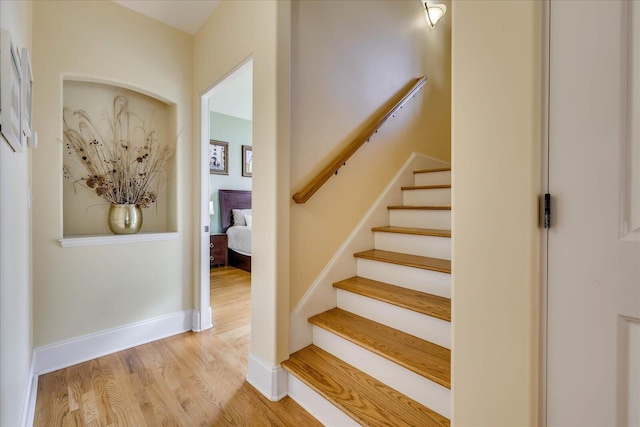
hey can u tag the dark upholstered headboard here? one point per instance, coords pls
(232, 199)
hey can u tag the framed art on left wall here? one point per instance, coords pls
(26, 92)
(218, 157)
(10, 92)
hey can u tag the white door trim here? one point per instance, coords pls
(202, 316)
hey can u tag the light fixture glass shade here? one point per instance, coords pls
(211, 211)
(434, 13)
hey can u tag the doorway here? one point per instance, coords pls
(226, 138)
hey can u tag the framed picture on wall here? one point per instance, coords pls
(27, 91)
(218, 157)
(10, 92)
(247, 157)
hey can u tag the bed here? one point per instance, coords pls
(237, 230)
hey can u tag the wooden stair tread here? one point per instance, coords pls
(422, 357)
(420, 302)
(360, 396)
(432, 170)
(425, 187)
(416, 261)
(424, 208)
(412, 230)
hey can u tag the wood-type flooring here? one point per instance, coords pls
(191, 379)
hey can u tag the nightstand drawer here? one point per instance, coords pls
(218, 249)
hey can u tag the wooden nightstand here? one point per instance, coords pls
(217, 249)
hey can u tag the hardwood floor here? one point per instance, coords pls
(185, 380)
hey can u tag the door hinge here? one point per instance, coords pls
(206, 228)
(547, 211)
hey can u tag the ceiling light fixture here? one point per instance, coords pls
(434, 13)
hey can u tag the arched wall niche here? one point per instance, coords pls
(84, 212)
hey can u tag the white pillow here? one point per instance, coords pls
(247, 219)
(238, 216)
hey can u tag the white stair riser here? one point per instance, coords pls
(427, 197)
(312, 402)
(433, 178)
(419, 325)
(436, 219)
(431, 282)
(418, 388)
(431, 246)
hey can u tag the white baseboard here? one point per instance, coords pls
(77, 350)
(201, 323)
(29, 405)
(268, 380)
(321, 296)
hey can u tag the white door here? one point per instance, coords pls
(593, 335)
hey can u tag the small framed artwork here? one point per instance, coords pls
(218, 157)
(247, 158)
(10, 92)
(27, 91)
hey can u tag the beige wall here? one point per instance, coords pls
(496, 114)
(237, 31)
(84, 290)
(348, 59)
(16, 343)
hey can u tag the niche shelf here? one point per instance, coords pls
(74, 242)
(84, 212)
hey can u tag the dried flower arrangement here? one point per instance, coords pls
(121, 169)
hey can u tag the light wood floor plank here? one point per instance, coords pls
(60, 407)
(90, 409)
(101, 399)
(185, 380)
(76, 376)
(117, 399)
(73, 419)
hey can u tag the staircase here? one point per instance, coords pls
(382, 356)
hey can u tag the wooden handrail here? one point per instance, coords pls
(332, 168)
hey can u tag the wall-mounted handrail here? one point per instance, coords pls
(332, 168)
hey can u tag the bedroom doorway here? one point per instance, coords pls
(226, 152)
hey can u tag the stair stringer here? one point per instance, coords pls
(321, 296)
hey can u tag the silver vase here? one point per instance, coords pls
(125, 219)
